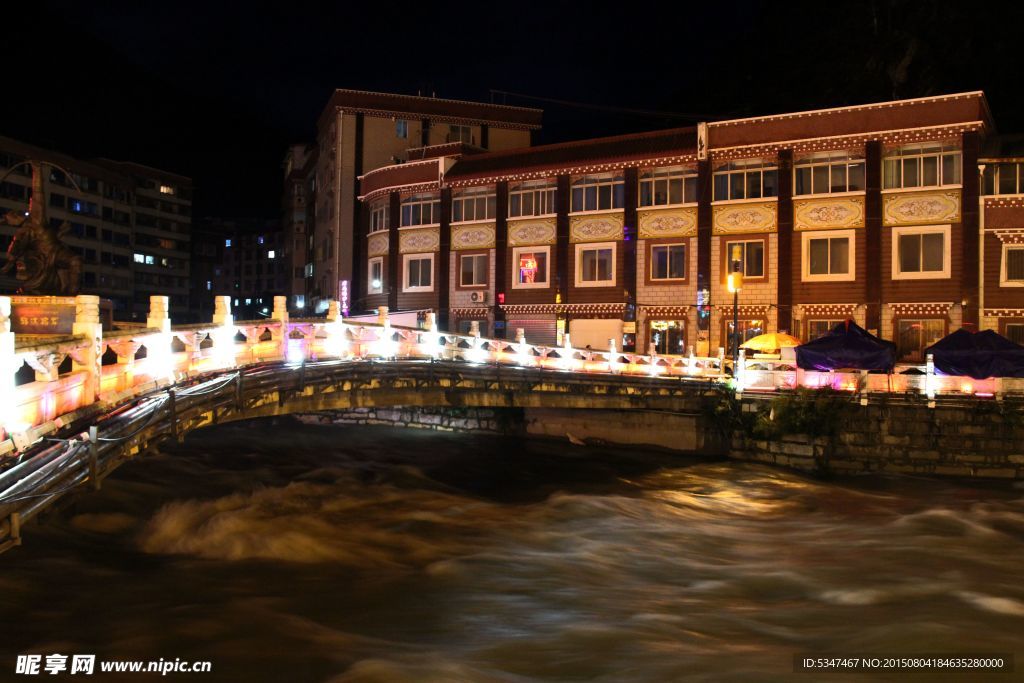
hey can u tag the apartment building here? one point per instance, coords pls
(361, 131)
(886, 213)
(130, 223)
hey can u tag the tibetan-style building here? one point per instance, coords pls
(899, 215)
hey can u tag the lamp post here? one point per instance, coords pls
(735, 284)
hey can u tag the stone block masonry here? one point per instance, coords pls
(489, 420)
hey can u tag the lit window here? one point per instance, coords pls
(668, 262)
(140, 258)
(248, 301)
(149, 260)
(927, 165)
(166, 189)
(828, 173)
(819, 328)
(751, 257)
(914, 336)
(473, 270)
(748, 179)
(401, 128)
(270, 254)
(309, 270)
(828, 255)
(595, 264)
(375, 275)
(419, 273)
(300, 301)
(666, 186)
(920, 253)
(227, 243)
(598, 192)
(209, 285)
(530, 267)
(259, 239)
(236, 302)
(1013, 266)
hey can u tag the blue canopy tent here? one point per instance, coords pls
(979, 355)
(847, 346)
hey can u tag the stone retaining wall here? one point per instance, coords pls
(985, 440)
(495, 421)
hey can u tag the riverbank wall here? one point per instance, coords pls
(975, 439)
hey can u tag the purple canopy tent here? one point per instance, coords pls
(979, 355)
(847, 345)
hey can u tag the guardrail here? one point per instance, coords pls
(109, 367)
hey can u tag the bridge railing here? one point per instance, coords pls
(51, 381)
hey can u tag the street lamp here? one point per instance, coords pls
(735, 284)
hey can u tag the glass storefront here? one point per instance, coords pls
(668, 336)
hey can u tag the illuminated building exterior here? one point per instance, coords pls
(356, 133)
(868, 212)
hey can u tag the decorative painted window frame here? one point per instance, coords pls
(945, 230)
(805, 256)
(595, 246)
(1003, 280)
(370, 289)
(516, 284)
(406, 258)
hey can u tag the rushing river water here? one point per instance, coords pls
(283, 552)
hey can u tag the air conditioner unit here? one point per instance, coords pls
(478, 297)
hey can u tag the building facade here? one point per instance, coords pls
(876, 213)
(131, 224)
(356, 133)
(253, 266)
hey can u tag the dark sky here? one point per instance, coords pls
(217, 90)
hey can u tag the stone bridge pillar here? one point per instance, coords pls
(333, 311)
(87, 323)
(222, 311)
(158, 318)
(279, 333)
(382, 315)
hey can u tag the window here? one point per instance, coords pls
(595, 264)
(829, 255)
(421, 210)
(597, 192)
(209, 285)
(375, 275)
(401, 129)
(667, 336)
(748, 329)
(1003, 178)
(531, 199)
(1013, 266)
(828, 173)
(419, 273)
(920, 253)
(751, 179)
(271, 254)
(927, 165)
(473, 270)
(473, 206)
(751, 256)
(914, 336)
(664, 186)
(819, 328)
(460, 134)
(530, 267)
(259, 239)
(379, 214)
(166, 189)
(1014, 332)
(227, 243)
(668, 262)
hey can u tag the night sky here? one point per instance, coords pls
(217, 91)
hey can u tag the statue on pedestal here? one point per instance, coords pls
(43, 263)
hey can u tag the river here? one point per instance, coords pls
(286, 552)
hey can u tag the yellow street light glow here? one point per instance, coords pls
(735, 282)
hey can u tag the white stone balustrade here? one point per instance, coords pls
(38, 407)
